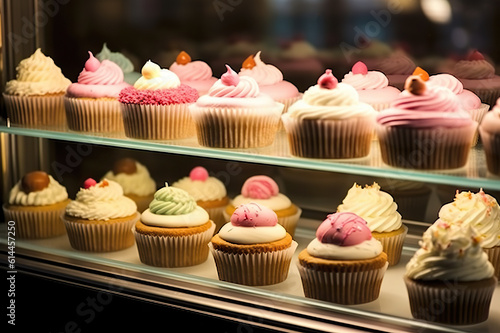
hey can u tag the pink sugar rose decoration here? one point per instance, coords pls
(327, 80)
(260, 187)
(475, 55)
(254, 215)
(92, 64)
(230, 78)
(359, 68)
(199, 173)
(343, 229)
(88, 183)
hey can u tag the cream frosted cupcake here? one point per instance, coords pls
(372, 86)
(156, 107)
(379, 211)
(344, 264)
(92, 103)
(489, 130)
(101, 218)
(329, 122)
(135, 180)
(121, 60)
(173, 231)
(36, 203)
(35, 98)
(253, 249)
(449, 279)
(480, 211)
(264, 191)
(196, 74)
(209, 193)
(234, 114)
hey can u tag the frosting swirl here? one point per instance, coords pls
(376, 207)
(37, 75)
(192, 71)
(449, 252)
(118, 58)
(396, 64)
(202, 187)
(50, 195)
(467, 98)
(263, 191)
(102, 201)
(172, 201)
(139, 183)
(232, 86)
(474, 69)
(264, 74)
(365, 80)
(155, 78)
(478, 210)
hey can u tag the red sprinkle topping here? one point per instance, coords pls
(179, 95)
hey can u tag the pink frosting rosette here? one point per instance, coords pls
(260, 187)
(196, 74)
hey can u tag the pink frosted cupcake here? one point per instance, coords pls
(156, 107)
(270, 80)
(372, 86)
(196, 74)
(235, 114)
(92, 103)
(425, 128)
(330, 122)
(490, 136)
(35, 98)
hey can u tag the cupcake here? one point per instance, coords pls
(234, 114)
(379, 211)
(489, 130)
(173, 231)
(329, 122)
(425, 128)
(264, 191)
(101, 218)
(480, 211)
(196, 74)
(92, 103)
(372, 86)
(36, 203)
(270, 81)
(253, 249)
(449, 279)
(121, 60)
(135, 181)
(344, 264)
(156, 107)
(397, 67)
(209, 193)
(35, 98)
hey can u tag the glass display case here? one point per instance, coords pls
(302, 38)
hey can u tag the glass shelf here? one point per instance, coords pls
(473, 175)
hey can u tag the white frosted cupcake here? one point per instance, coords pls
(481, 211)
(36, 203)
(209, 193)
(379, 211)
(135, 180)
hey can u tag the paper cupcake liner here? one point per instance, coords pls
(101, 237)
(487, 96)
(349, 138)
(170, 251)
(253, 269)
(392, 245)
(287, 102)
(290, 222)
(236, 128)
(491, 146)
(478, 115)
(217, 216)
(94, 115)
(415, 148)
(342, 287)
(450, 302)
(380, 106)
(36, 224)
(494, 257)
(157, 122)
(45, 112)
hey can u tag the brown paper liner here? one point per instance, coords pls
(236, 128)
(494, 257)
(94, 115)
(392, 245)
(451, 302)
(491, 146)
(37, 224)
(426, 149)
(45, 112)
(174, 251)
(100, 236)
(157, 122)
(348, 287)
(316, 138)
(253, 269)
